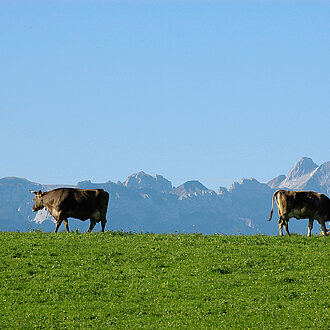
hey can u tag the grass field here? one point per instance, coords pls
(118, 280)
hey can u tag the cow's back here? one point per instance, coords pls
(79, 203)
(302, 204)
(88, 202)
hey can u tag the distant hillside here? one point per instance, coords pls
(151, 204)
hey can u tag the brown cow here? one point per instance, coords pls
(301, 205)
(82, 204)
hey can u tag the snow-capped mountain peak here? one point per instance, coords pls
(142, 180)
(192, 188)
(304, 166)
(305, 175)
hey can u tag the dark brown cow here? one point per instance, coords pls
(64, 203)
(301, 205)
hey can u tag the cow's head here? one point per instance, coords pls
(38, 202)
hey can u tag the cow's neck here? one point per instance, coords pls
(52, 210)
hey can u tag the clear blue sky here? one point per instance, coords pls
(206, 90)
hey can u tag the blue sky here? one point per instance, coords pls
(206, 90)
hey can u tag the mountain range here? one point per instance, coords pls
(151, 204)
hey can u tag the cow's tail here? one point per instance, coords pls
(271, 211)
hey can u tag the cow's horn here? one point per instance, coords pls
(33, 192)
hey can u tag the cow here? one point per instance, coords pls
(301, 205)
(82, 204)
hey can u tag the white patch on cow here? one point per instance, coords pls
(54, 213)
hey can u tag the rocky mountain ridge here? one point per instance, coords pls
(305, 175)
(151, 204)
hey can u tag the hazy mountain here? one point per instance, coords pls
(302, 168)
(142, 180)
(305, 175)
(192, 190)
(16, 203)
(275, 183)
(151, 204)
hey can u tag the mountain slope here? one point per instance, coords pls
(305, 175)
(151, 204)
(16, 203)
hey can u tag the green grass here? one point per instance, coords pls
(116, 280)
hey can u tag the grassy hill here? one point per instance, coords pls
(163, 281)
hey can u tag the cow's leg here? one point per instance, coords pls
(103, 222)
(58, 223)
(283, 222)
(280, 226)
(92, 225)
(310, 227)
(324, 229)
(66, 224)
(286, 227)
